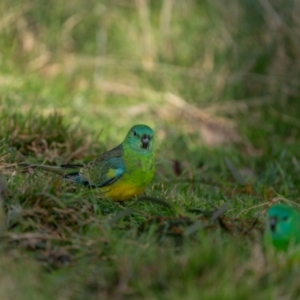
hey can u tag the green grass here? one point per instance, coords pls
(220, 86)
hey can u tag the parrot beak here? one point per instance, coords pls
(145, 141)
(273, 223)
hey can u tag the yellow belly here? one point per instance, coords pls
(120, 191)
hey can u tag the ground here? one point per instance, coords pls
(220, 87)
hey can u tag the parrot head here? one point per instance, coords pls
(283, 225)
(140, 137)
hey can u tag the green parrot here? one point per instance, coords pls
(120, 173)
(283, 226)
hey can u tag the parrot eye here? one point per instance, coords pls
(285, 218)
(134, 133)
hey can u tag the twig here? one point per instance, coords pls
(272, 13)
(165, 21)
(147, 36)
(34, 235)
(284, 117)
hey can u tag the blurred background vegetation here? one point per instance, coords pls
(130, 61)
(215, 79)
